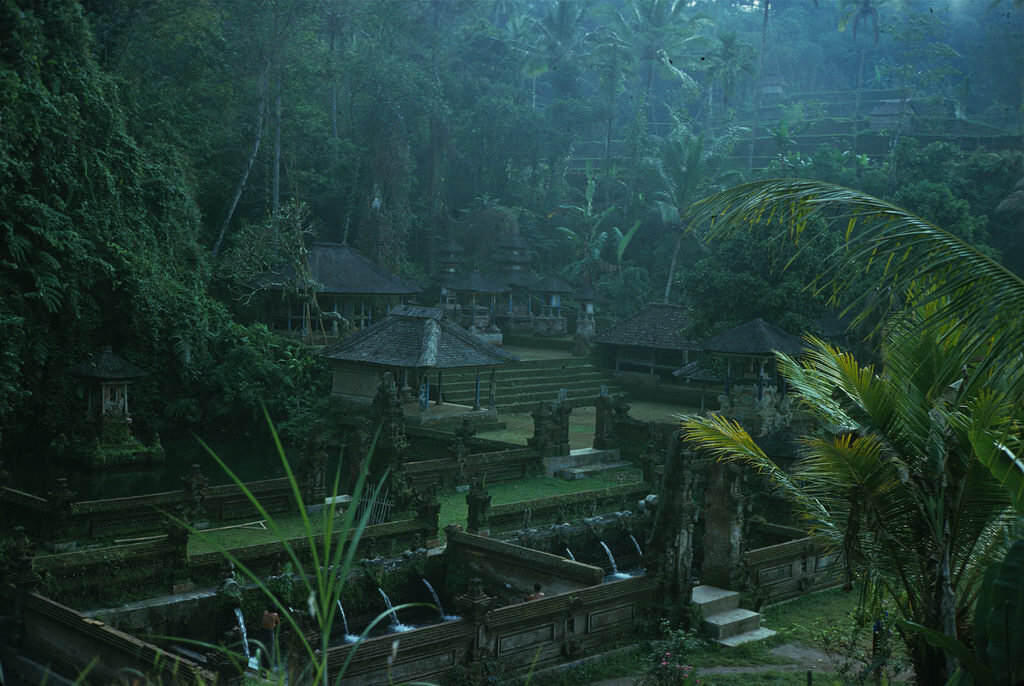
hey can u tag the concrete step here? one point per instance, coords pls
(730, 623)
(747, 637)
(528, 385)
(530, 398)
(573, 473)
(712, 600)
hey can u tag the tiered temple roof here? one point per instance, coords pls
(417, 337)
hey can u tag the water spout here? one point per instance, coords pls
(349, 638)
(241, 627)
(396, 625)
(611, 558)
(636, 544)
(571, 556)
(437, 601)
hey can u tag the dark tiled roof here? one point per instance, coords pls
(504, 281)
(417, 337)
(658, 326)
(756, 337)
(341, 269)
(695, 372)
(107, 365)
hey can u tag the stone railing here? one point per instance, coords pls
(141, 514)
(503, 465)
(562, 508)
(71, 642)
(83, 577)
(579, 615)
(787, 570)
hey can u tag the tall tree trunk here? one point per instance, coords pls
(260, 116)
(757, 89)
(672, 265)
(275, 200)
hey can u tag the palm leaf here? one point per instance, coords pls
(905, 255)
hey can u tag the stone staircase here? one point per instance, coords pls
(724, 621)
(519, 386)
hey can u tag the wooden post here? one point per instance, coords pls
(476, 391)
(440, 399)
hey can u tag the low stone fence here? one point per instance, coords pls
(493, 467)
(66, 640)
(562, 508)
(443, 439)
(791, 569)
(85, 577)
(579, 615)
(49, 519)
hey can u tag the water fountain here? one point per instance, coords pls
(611, 558)
(396, 625)
(349, 637)
(571, 556)
(437, 601)
(245, 637)
(636, 544)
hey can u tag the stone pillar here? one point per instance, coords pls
(194, 487)
(561, 427)
(669, 543)
(478, 501)
(473, 606)
(491, 401)
(61, 499)
(723, 527)
(603, 418)
(476, 391)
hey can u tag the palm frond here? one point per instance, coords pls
(905, 255)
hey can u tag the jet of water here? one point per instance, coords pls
(391, 609)
(636, 543)
(571, 556)
(437, 600)
(241, 626)
(611, 558)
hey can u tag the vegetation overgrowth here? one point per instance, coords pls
(156, 157)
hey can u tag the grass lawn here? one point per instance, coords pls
(454, 508)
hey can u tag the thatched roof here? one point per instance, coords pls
(338, 269)
(658, 325)
(505, 281)
(417, 337)
(756, 337)
(107, 366)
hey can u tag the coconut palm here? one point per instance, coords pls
(895, 481)
(899, 483)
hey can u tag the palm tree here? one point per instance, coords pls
(895, 483)
(906, 480)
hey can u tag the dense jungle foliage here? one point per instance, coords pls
(150, 148)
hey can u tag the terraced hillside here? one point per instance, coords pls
(520, 385)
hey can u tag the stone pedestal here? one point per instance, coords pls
(723, 527)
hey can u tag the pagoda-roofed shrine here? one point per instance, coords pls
(749, 350)
(109, 376)
(509, 295)
(654, 340)
(412, 343)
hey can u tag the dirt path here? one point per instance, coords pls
(802, 659)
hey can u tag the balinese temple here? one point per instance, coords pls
(748, 351)
(416, 345)
(510, 297)
(351, 292)
(653, 341)
(108, 376)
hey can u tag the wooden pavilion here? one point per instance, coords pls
(412, 343)
(749, 351)
(653, 341)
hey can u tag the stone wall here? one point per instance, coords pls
(787, 570)
(70, 642)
